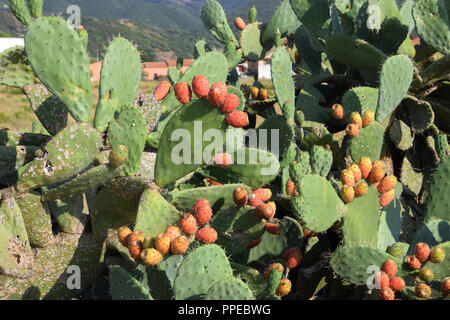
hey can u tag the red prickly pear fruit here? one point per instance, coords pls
(206, 235)
(389, 267)
(413, 263)
(422, 251)
(437, 255)
(239, 23)
(188, 224)
(368, 118)
(308, 233)
(183, 92)
(365, 165)
(352, 130)
(135, 249)
(230, 104)
(276, 266)
(237, 119)
(388, 183)
(172, 232)
(203, 215)
(162, 90)
(272, 228)
(253, 243)
(151, 257)
(361, 189)
(263, 94)
(423, 291)
(355, 118)
(387, 198)
(136, 236)
(200, 203)
(291, 188)
(283, 288)
(445, 287)
(223, 160)
(347, 178)
(123, 234)
(255, 202)
(426, 274)
(387, 294)
(162, 243)
(217, 94)
(356, 171)
(382, 280)
(263, 194)
(347, 194)
(293, 257)
(212, 182)
(200, 86)
(274, 208)
(397, 283)
(179, 245)
(255, 93)
(264, 211)
(378, 171)
(337, 111)
(240, 197)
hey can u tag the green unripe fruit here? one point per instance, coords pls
(437, 255)
(426, 275)
(118, 156)
(299, 118)
(277, 39)
(35, 7)
(252, 15)
(396, 250)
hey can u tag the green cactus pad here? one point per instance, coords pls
(393, 33)
(251, 277)
(360, 225)
(11, 138)
(71, 214)
(432, 233)
(12, 158)
(432, 24)
(229, 289)
(154, 137)
(14, 241)
(282, 79)
(395, 78)
(321, 160)
(116, 205)
(235, 228)
(284, 19)
(308, 51)
(308, 102)
(199, 270)
(438, 202)
(390, 224)
(20, 11)
(51, 44)
(123, 286)
(37, 219)
(420, 113)
(15, 69)
(119, 80)
(319, 206)
(187, 120)
(401, 135)
(359, 99)
(220, 197)
(215, 21)
(173, 74)
(272, 246)
(67, 154)
(411, 174)
(129, 130)
(286, 133)
(368, 143)
(407, 16)
(355, 53)
(253, 167)
(352, 262)
(89, 180)
(314, 14)
(251, 47)
(300, 167)
(155, 214)
(51, 112)
(35, 7)
(274, 281)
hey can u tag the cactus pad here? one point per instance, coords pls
(229, 289)
(368, 143)
(438, 202)
(123, 286)
(282, 79)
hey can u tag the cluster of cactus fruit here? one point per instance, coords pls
(359, 169)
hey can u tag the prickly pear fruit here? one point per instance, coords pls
(206, 235)
(179, 245)
(188, 224)
(347, 194)
(172, 232)
(445, 287)
(200, 86)
(162, 243)
(422, 251)
(396, 250)
(378, 171)
(387, 294)
(135, 249)
(291, 189)
(200, 203)
(361, 189)
(230, 104)
(263, 194)
(239, 23)
(293, 257)
(255, 93)
(389, 267)
(276, 266)
(123, 234)
(283, 288)
(299, 118)
(413, 263)
(136, 236)
(368, 118)
(337, 111)
(382, 280)
(237, 119)
(397, 283)
(253, 243)
(352, 130)
(223, 159)
(272, 228)
(356, 171)
(437, 255)
(254, 202)
(240, 197)
(388, 183)
(387, 198)
(308, 233)
(264, 211)
(355, 118)
(149, 242)
(217, 94)
(426, 274)
(347, 178)
(203, 215)
(263, 94)
(252, 14)
(183, 92)
(365, 165)
(118, 156)
(423, 291)
(274, 208)
(162, 90)
(151, 257)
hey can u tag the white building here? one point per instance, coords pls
(6, 43)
